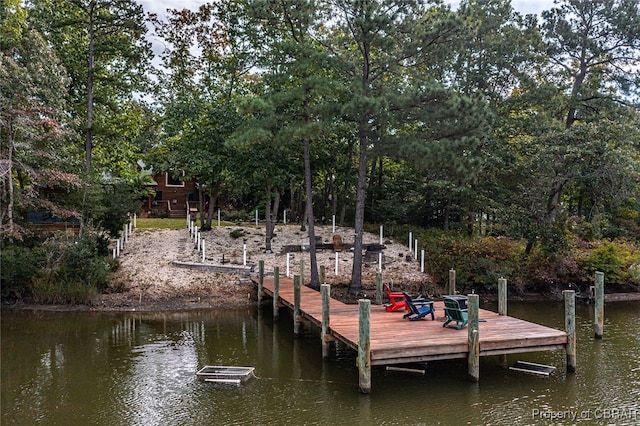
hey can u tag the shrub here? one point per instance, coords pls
(614, 258)
(237, 216)
(71, 271)
(542, 272)
(19, 265)
(237, 233)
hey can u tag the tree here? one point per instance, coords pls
(500, 53)
(207, 64)
(101, 44)
(297, 89)
(595, 48)
(376, 44)
(32, 121)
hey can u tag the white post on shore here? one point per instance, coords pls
(195, 234)
(380, 262)
(256, 217)
(203, 251)
(218, 217)
(381, 233)
(126, 236)
(422, 260)
(288, 264)
(415, 250)
(198, 236)
(284, 221)
(114, 252)
(336, 263)
(244, 254)
(333, 224)
(130, 228)
(410, 241)
(119, 242)
(135, 220)
(188, 221)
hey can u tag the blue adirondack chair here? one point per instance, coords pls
(418, 308)
(454, 312)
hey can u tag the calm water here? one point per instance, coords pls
(138, 369)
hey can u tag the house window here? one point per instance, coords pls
(173, 180)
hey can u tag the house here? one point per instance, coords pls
(173, 197)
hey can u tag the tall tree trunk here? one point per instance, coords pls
(555, 195)
(88, 144)
(9, 176)
(200, 206)
(356, 273)
(213, 201)
(271, 214)
(293, 211)
(314, 280)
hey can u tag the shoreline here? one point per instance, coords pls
(166, 303)
(161, 271)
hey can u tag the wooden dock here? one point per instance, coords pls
(394, 340)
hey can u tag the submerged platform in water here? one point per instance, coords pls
(533, 368)
(225, 374)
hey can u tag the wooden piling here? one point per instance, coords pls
(296, 305)
(570, 327)
(473, 330)
(323, 274)
(599, 305)
(301, 272)
(276, 292)
(325, 290)
(502, 296)
(260, 280)
(364, 346)
(452, 281)
(502, 310)
(378, 288)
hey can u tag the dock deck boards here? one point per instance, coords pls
(394, 340)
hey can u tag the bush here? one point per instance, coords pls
(479, 262)
(52, 291)
(237, 233)
(615, 259)
(19, 265)
(237, 216)
(541, 272)
(60, 270)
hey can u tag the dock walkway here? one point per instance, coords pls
(394, 340)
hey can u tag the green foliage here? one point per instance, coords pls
(237, 233)
(544, 273)
(72, 271)
(19, 264)
(615, 258)
(479, 262)
(237, 216)
(59, 270)
(109, 206)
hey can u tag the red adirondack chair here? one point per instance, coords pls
(396, 300)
